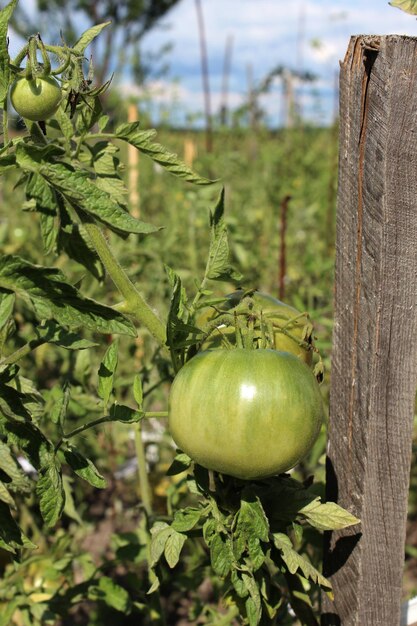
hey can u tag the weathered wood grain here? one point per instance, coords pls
(374, 357)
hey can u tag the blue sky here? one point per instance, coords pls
(301, 34)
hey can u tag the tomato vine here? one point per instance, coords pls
(249, 525)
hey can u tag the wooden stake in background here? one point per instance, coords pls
(374, 357)
(190, 151)
(133, 167)
(205, 75)
(282, 273)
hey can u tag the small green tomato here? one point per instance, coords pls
(36, 99)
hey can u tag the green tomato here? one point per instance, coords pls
(246, 413)
(37, 99)
(292, 329)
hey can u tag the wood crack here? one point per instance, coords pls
(369, 55)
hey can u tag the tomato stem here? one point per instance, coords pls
(103, 420)
(135, 303)
(144, 486)
(19, 58)
(5, 123)
(22, 352)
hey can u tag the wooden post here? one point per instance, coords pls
(374, 359)
(190, 151)
(133, 167)
(205, 74)
(282, 274)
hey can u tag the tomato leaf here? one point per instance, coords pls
(238, 584)
(106, 373)
(70, 509)
(29, 438)
(88, 36)
(186, 519)
(11, 536)
(7, 300)
(253, 604)
(51, 332)
(409, 6)
(61, 398)
(256, 553)
(299, 600)
(73, 239)
(5, 15)
(5, 496)
(80, 191)
(328, 516)
(50, 491)
(84, 468)
(142, 141)
(122, 413)
(12, 405)
(180, 464)
(53, 297)
(218, 264)
(160, 532)
(251, 520)
(111, 594)
(295, 562)
(221, 554)
(7, 162)
(173, 547)
(178, 331)
(44, 199)
(19, 482)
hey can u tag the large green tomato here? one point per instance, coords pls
(37, 99)
(292, 329)
(247, 413)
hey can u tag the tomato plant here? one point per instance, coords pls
(35, 99)
(290, 330)
(247, 413)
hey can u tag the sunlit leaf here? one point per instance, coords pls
(106, 372)
(142, 140)
(54, 297)
(112, 594)
(88, 36)
(328, 516)
(50, 491)
(84, 468)
(409, 6)
(218, 264)
(296, 562)
(173, 547)
(5, 15)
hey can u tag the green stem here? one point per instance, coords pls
(81, 429)
(145, 488)
(5, 124)
(135, 303)
(103, 420)
(22, 352)
(100, 136)
(198, 295)
(19, 58)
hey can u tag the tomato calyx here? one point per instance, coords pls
(251, 319)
